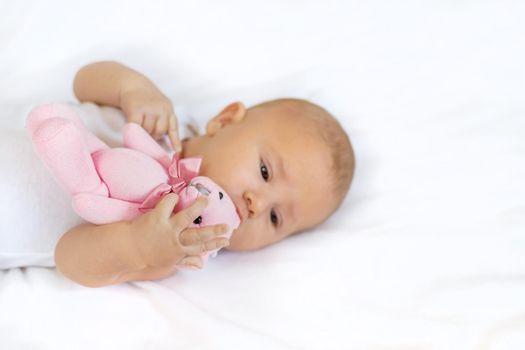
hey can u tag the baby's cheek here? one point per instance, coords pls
(237, 235)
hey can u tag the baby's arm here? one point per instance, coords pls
(101, 255)
(103, 82)
(148, 247)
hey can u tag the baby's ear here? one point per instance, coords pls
(233, 113)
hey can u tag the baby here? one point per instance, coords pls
(287, 165)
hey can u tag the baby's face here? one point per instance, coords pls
(276, 174)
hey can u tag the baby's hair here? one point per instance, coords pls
(331, 133)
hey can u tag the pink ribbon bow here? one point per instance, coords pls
(180, 173)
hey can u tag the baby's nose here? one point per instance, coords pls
(255, 204)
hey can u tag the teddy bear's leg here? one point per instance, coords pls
(41, 113)
(60, 145)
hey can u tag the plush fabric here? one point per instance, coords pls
(113, 184)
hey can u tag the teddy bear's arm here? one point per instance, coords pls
(137, 138)
(102, 210)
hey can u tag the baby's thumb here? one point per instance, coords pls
(167, 204)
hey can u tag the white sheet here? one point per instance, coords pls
(428, 250)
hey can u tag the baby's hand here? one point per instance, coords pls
(163, 239)
(147, 106)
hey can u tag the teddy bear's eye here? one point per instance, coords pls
(198, 220)
(220, 195)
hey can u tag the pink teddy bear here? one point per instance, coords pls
(113, 184)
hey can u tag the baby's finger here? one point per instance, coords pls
(193, 261)
(166, 205)
(197, 249)
(149, 123)
(193, 236)
(185, 217)
(161, 127)
(173, 133)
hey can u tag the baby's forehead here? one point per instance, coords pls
(288, 133)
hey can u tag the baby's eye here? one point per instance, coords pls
(274, 218)
(264, 171)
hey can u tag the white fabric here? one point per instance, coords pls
(32, 201)
(428, 250)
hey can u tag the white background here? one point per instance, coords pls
(428, 250)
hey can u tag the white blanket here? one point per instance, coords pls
(428, 250)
